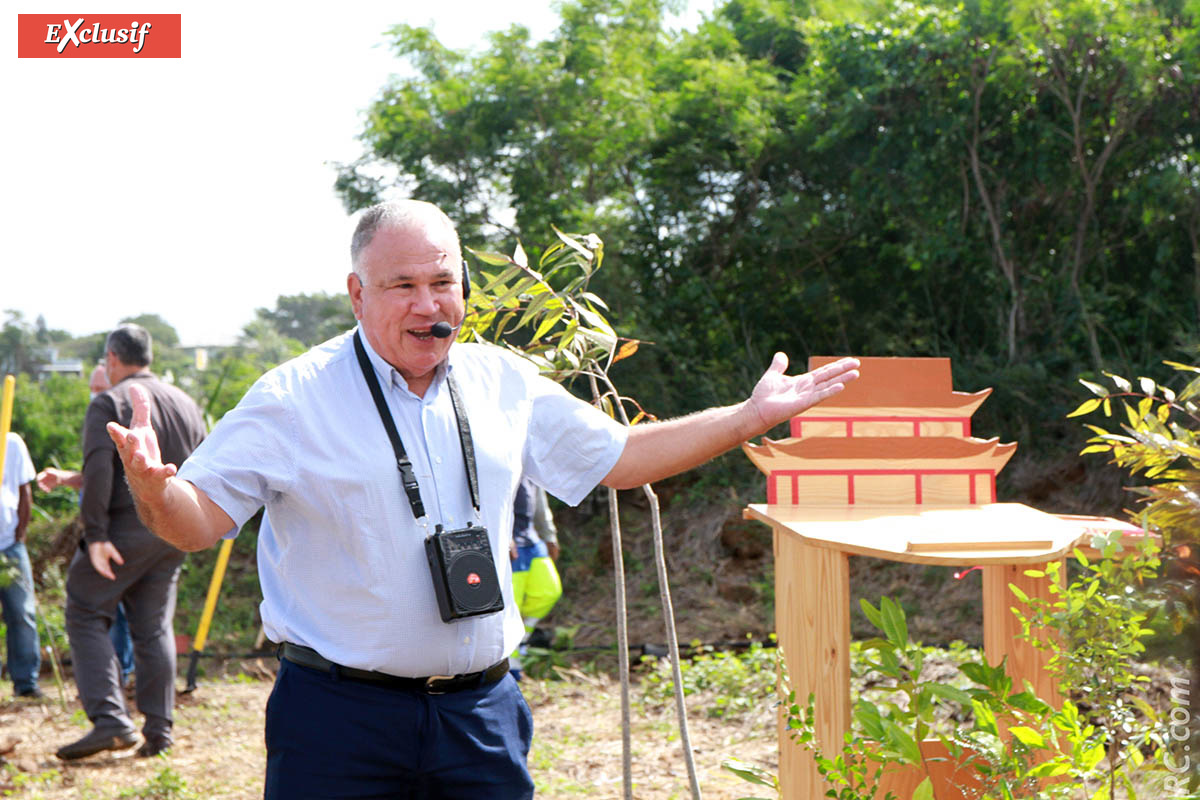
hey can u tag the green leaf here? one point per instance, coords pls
(869, 719)
(924, 790)
(948, 692)
(495, 259)
(1086, 407)
(871, 613)
(596, 321)
(574, 244)
(895, 627)
(889, 662)
(749, 772)
(994, 678)
(1027, 736)
(1050, 769)
(594, 299)
(600, 339)
(985, 720)
(1190, 391)
(1092, 756)
(547, 323)
(535, 306)
(1028, 701)
(549, 253)
(1134, 417)
(902, 742)
(1182, 367)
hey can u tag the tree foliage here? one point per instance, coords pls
(1007, 183)
(48, 415)
(306, 318)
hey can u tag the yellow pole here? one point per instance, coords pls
(210, 605)
(6, 406)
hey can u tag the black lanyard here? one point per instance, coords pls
(407, 477)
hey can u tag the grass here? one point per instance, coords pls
(167, 784)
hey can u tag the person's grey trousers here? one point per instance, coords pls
(146, 583)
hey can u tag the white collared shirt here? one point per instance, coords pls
(341, 558)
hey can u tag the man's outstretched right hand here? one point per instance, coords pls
(138, 447)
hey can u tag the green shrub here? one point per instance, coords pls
(727, 684)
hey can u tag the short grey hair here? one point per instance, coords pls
(131, 344)
(395, 213)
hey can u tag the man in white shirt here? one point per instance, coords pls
(376, 695)
(16, 591)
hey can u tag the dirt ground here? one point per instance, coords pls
(219, 750)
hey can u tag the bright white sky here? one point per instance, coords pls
(201, 188)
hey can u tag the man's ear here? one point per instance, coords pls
(354, 287)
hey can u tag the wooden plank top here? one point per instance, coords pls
(993, 533)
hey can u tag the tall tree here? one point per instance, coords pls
(1006, 182)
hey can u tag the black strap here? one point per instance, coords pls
(464, 437)
(408, 478)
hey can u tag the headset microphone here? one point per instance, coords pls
(441, 330)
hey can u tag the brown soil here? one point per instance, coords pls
(219, 751)
(721, 574)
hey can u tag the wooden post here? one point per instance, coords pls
(1002, 629)
(812, 620)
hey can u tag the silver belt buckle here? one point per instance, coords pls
(430, 688)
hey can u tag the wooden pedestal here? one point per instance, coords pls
(812, 548)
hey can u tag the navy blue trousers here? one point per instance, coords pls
(330, 737)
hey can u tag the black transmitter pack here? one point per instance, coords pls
(464, 574)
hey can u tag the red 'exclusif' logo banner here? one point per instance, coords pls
(99, 35)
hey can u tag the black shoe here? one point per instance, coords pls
(96, 742)
(153, 746)
(33, 694)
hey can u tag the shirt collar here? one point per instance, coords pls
(146, 373)
(391, 376)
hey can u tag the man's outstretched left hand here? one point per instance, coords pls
(778, 397)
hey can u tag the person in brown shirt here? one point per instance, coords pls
(121, 562)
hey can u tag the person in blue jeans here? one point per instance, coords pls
(16, 581)
(122, 643)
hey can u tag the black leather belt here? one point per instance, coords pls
(434, 684)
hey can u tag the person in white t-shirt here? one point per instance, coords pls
(23, 654)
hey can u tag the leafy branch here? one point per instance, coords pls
(564, 332)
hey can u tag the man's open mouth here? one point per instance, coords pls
(422, 333)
